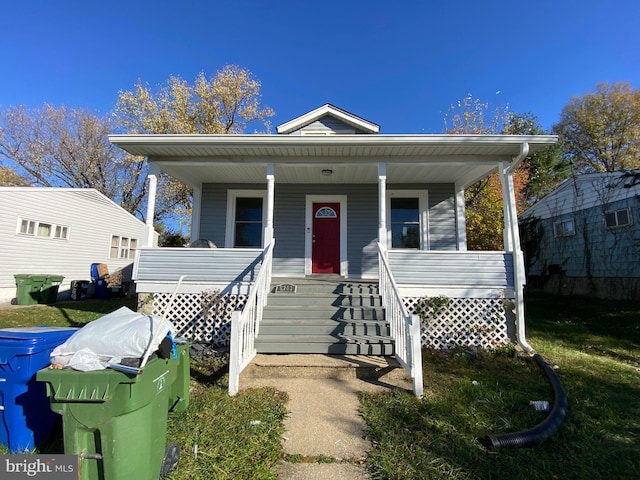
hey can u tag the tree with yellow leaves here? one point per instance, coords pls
(226, 103)
(534, 177)
(600, 131)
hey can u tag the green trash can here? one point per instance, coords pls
(116, 422)
(28, 288)
(49, 292)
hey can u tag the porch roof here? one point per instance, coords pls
(459, 159)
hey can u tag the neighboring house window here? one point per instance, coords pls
(123, 247)
(35, 228)
(245, 218)
(617, 218)
(564, 228)
(407, 219)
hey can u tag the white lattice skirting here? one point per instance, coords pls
(466, 322)
(202, 317)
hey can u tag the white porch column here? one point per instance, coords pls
(507, 237)
(268, 231)
(382, 204)
(196, 208)
(461, 221)
(151, 206)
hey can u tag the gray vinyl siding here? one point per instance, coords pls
(199, 264)
(594, 251)
(442, 217)
(329, 124)
(91, 218)
(362, 221)
(455, 269)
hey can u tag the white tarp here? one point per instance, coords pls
(120, 334)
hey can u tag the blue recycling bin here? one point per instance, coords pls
(26, 419)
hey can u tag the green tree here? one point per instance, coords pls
(547, 168)
(483, 200)
(600, 131)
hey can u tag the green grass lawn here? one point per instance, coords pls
(595, 345)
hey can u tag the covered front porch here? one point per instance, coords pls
(413, 247)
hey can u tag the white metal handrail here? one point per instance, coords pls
(405, 328)
(245, 323)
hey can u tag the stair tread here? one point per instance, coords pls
(316, 301)
(321, 338)
(322, 321)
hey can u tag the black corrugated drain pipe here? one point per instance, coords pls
(542, 431)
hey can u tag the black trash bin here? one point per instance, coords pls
(79, 289)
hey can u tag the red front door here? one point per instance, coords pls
(325, 250)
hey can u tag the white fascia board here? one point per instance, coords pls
(326, 109)
(302, 140)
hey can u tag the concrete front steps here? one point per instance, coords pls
(324, 315)
(377, 370)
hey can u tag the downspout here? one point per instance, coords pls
(550, 425)
(518, 260)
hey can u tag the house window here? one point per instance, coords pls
(407, 219)
(28, 227)
(122, 247)
(245, 218)
(565, 228)
(35, 228)
(617, 218)
(326, 212)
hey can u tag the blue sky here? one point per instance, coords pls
(399, 64)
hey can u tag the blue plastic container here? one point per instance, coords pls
(25, 413)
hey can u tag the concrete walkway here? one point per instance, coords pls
(323, 421)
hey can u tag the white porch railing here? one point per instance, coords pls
(405, 328)
(246, 322)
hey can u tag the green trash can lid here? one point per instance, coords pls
(33, 276)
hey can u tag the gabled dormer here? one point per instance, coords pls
(328, 120)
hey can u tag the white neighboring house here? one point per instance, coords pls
(62, 231)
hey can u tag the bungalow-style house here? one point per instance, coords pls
(327, 236)
(62, 232)
(583, 238)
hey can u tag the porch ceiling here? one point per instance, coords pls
(459, 159)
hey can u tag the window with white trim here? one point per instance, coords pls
(35, 228)
(123, 247)
(246, 210)
(617, 218)
(564, 228)
(407, 219)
